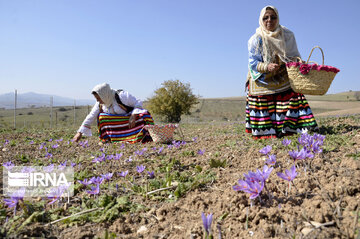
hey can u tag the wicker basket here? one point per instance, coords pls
(161, 134)
(311, 79)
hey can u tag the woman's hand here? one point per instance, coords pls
(77, 136)
(132, 120)
(273, 67)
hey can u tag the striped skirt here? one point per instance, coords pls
(276, 115)
(115, 128)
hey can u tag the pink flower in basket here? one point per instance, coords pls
(305, 69)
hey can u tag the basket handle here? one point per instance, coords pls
(312, 52)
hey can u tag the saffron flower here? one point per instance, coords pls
(118, 156)
(97, 180)
(72, 164)
(201, 152)
(55, 146)
(289, 174)
(62, 165)
(140, 168)
(85, 182)
(55, 194)
(207, 220)
(160, 150)
(107, 176)
(123, 174)
(286, 142)
(8, 165)
(298, 155)
(151, 174)
(27, 170)
(266, 149)
(49, 168)
(194, 139)
(265, 173)
(15, 198)
(271, 160)
(48, 155)
(253, 188)
(94, 190)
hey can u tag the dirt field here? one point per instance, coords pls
(324, 204)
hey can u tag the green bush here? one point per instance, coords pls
(172, 100)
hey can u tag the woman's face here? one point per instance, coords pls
(270, 20)
(98, 98)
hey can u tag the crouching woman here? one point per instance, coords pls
(119, 115)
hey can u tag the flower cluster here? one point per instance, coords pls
(305, 68)
(254, 182)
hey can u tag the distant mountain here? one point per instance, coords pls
(31, 99)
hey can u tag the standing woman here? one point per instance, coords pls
(120, 117)
(273, 109)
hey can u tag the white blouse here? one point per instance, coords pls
(126, 99)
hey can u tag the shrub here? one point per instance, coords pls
(172, 100)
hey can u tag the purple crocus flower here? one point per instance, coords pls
(97, 180)
(15, 198)
(27, 170)
(151, 174)
(160, 150)
(123, 174)
(129, 159)
(265, 173)
(109, 157)
(48, 155)
(266, 149)
(85, 182)
(122, 146)
(6, 142)
(99, 159)
(102, 149)
(107, 176)
(286, 142)
(42, 145)
(298, 155)
(207, 220)
(8, 165)
(271, 160)
(170, 146)
(55, 194)
(194, 139)
(49, 168)
(62, 165)
(94, 190)
(201, 152)
(253, 177)
(253, 188)
(59, 140)
(31, 142)
(72, 164)
(55, 146)
(50, 140)
(118, 156)
(289, 174)
(140, 168)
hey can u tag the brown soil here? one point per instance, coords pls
(329, 195)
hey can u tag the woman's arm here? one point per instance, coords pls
(85, 128)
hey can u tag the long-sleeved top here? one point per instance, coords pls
(126, 98)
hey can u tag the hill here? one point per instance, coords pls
(33, 100)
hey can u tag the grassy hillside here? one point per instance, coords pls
(211, 109)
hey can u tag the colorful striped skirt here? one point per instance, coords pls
(277, 115)
(115, 128)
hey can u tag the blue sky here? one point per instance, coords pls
(66, 47)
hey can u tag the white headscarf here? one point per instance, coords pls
(105, 93)
(280, 42)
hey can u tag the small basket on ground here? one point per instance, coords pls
(161, 133)
(311, 79)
